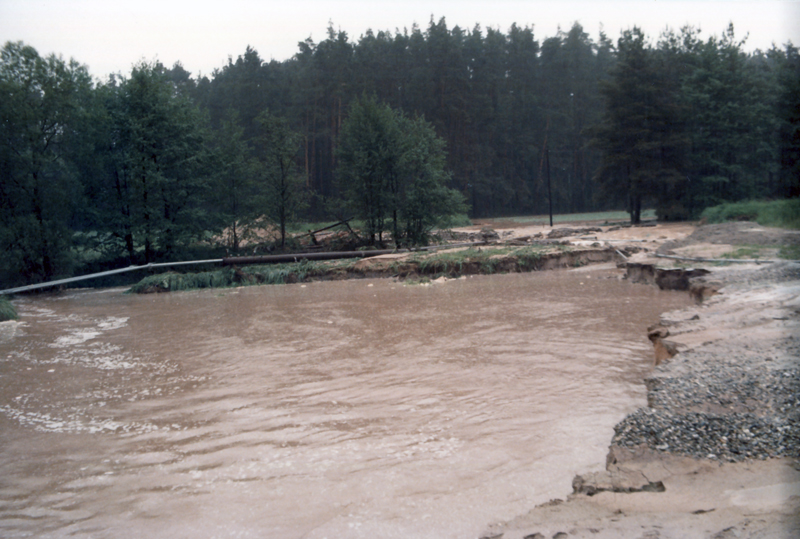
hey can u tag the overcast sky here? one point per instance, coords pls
(111, 35)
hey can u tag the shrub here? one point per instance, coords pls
(7, 310)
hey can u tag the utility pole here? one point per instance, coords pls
(549, 190)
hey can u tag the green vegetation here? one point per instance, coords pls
(285, 195)
(227, 277)
(7, 310)
(756, 252)
(667, 131)
(392, 172)
(605, 217)
(742, 253)
(789, 252)
(453, 221)
(395, 128)
(481, 260)
(776, 213)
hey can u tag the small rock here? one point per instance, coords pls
(487, 233)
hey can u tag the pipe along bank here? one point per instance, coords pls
(239, 261)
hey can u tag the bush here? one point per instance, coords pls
(170, 282)
(776, 213)
(453, 221)
(7, 310)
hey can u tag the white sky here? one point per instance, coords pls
(111, 35)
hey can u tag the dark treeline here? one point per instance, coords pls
(496, 99)
(139, 167)
(729, 117)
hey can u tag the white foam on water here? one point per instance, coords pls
(46, 423)
(75, 338)
(74, 424)
(99, 355)
(113, 322)
(35, 311)
(10, 329)
(81, 335)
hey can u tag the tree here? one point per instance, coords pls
(237, 183)
(640, 136)
(421, 198)
(277, 147)
(367, 155)
(789, 115)
(158, 171)
(42, 105)
(730, 122)
(392, 173)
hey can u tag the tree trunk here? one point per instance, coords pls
(636, 209)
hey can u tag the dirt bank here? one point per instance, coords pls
(415, 266)
(714, 455)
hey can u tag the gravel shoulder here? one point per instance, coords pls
(715, 452)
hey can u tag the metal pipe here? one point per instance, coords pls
(240, 260)
(59, 282)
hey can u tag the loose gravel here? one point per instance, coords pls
(729, 401)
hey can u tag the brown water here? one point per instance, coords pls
(341, 409)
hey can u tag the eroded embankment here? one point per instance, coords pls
(732, 392)
(449, 263)
(714, 454)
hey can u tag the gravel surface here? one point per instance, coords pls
(736, 233)
(732, 399)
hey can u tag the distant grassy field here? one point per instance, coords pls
(605, 216)
(775, 213)
(463, 220)
(302, 227)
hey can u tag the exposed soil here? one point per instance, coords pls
(748, 321)
(736, 233)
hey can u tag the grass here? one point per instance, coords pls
(789, 252)
(487, 259)
(7, 310)
(755, 252)
(775, 213)
(454, 221)
(749, 252)
(605, 216)
(230, 276)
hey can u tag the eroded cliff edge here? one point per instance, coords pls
(715, 452)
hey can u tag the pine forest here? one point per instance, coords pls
(402, 130)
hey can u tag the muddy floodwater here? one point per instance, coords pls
(344, 409)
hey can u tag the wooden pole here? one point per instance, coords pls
(549, 190)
